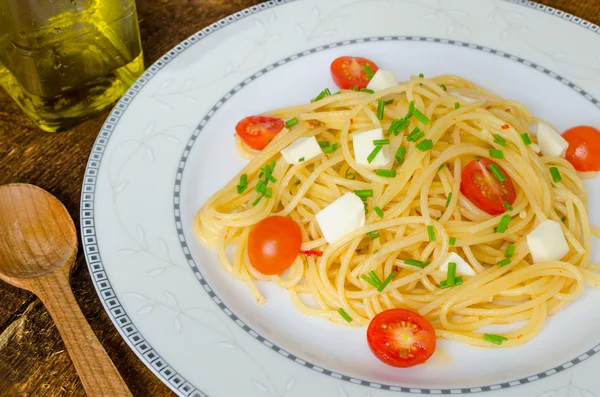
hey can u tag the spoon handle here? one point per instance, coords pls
(96, 371)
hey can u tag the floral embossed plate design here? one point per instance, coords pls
(168, 145)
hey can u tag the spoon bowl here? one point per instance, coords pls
(38, 247)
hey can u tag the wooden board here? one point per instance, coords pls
(33, 361)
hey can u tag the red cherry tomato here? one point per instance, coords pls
(273, 244)
(584, 148)
(484, 190)
(258, 131)
(348, 72)
(401, 338)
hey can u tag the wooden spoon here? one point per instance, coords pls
(38, 247)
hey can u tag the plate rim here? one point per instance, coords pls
(102, 285)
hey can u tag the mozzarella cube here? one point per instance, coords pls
(547, 242)
(301, 150)
(382, 80)
(462, 267)
(341, 217)
(550, 141)
(363, 147)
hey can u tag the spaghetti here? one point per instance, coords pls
(417, 217)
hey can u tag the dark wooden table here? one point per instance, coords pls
(33, 360)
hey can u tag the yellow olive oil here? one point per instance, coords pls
(66, 60)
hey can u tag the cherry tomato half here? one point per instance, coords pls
(273, 244)
(348, 72)
(401, 338)
(484, 190)
(584, 148)
(258, 131)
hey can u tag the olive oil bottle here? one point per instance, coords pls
(64, 61)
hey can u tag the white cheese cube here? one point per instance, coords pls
(301, 150)
(462, 267)
(341, 217)
(547, 242)
(383, 79)
(550, 141)
(363, 147)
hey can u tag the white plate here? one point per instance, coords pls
(168, 145)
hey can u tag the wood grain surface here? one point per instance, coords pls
(33, 361)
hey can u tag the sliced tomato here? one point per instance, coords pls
(273, 244)
(258, 131)
(401, 338)
(349, 72)
(483, 189)
(584, 148)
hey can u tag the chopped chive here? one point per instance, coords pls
(331, 149)
(421, 75)
(380, 109)
(378, 211)
(495, 339)
(556, 177)
(507, 206)
(269, 193)
(441, 167)
(386, 173)
(499, 140)
(398, 126)
(368, 91)
(368, 280)
(368, 71)
(350, 175)
(363, 194)
(503, 225)
(504, 262)
(327, 92)
(244, 179)
(564, 218)
(415, 135)
(411, 109)
(257, 200)
(458, 281)
(400, 153)
(374, 234)
(323, 144)
(380, 142)
(374, 153)
(271, 178)
(345, 315)
(526, 139)
(456, 105)
(261, 186)
(452, 241)
(414, 262)
(431, 232)
(301, 159)
(421, 117)
(444, 87)
(374, 277)
(448, 199)
(510, 251)
(321, 95)
(497, 173)
(451, 277)
(497, 154)
(386, 282)
(355, 88)
(425, 145)
(291, 122)
(241, 188)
